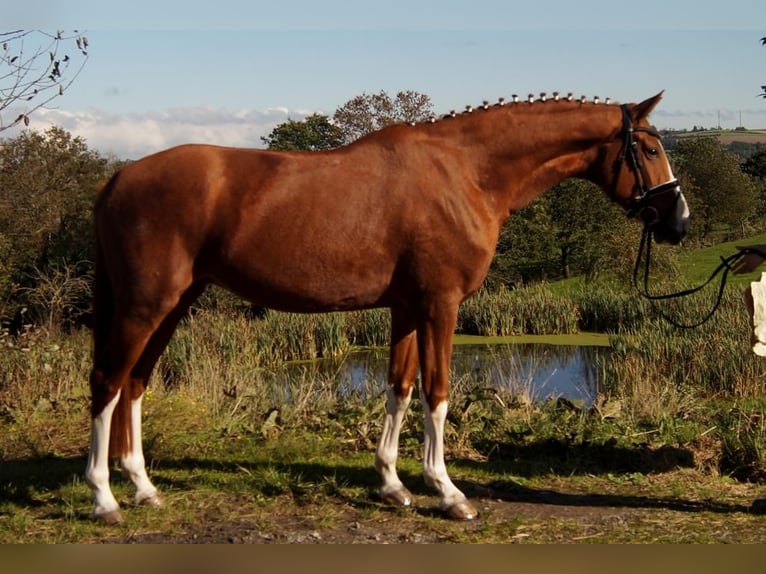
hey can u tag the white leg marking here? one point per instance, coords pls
(434, 469)
(97, 471)
(388, 447)
(133, 464)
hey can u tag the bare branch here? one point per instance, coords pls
(35, 69)
(763, 88)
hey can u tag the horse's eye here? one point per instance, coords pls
(652, 152)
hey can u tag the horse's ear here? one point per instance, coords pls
(643, 109)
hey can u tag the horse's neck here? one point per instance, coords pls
(525, 150)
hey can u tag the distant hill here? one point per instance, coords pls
(746, 136)
(725, 136)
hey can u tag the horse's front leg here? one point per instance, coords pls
(435, 344)
(392, 491)
(402, 370)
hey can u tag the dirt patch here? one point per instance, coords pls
(617, 510)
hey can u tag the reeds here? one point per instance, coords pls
(535, 310)
(218, 348)
(227, 364)
(713, 358)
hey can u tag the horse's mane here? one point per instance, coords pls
(531, 104)
(515, 100)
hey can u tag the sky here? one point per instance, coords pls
(226, 72)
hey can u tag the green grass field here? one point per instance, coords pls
(698, 264)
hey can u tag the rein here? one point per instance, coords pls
(642, 206)
(725, 266)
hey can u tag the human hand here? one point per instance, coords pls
(755, 256)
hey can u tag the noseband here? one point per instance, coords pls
(645, 204)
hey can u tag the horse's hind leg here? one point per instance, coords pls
(106, 508)
(403, 368)
(123, 362)
(132, 461)
(110, 377)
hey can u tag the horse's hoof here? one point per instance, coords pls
(758, 506)
(111, 518)
(401, 497)
(462, 510)
(154, 501)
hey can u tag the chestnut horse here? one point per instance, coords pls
(406, 218)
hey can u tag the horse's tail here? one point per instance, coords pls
(103, 297)
(103, 320)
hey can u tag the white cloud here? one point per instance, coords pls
(134, 135)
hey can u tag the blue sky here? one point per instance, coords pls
(226, 72)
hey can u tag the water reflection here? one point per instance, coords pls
(537, 371)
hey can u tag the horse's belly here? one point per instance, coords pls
(311, 288)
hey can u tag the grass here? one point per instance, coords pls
(676, 436)
(543, 473)
(697, 264)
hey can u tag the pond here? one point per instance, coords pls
(534, 370)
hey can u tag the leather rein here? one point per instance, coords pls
(725, 266)
(644, 206)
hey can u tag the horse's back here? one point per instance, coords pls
(278, 228)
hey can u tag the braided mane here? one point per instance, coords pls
(516, 100)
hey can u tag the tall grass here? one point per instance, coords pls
(220, 350)
(225, 353)
(608, 308)
(534, 310)
(714, 358)
(44, 392)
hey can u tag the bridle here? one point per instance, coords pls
(644, 205)
(647, 204)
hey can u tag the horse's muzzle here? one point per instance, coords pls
(665, 211)
(672, 235)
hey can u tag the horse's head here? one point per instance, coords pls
(636, 173)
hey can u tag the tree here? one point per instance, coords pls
(369, 112)
(48, 183)
(566, 231)
(725, 197)
(314, 133)
(763, 88)
(357, 117)
(33, 77)
(755, 165)
(579, 211)
(524, 249)
(572, 229)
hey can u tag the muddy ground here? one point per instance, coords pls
(629, 513)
